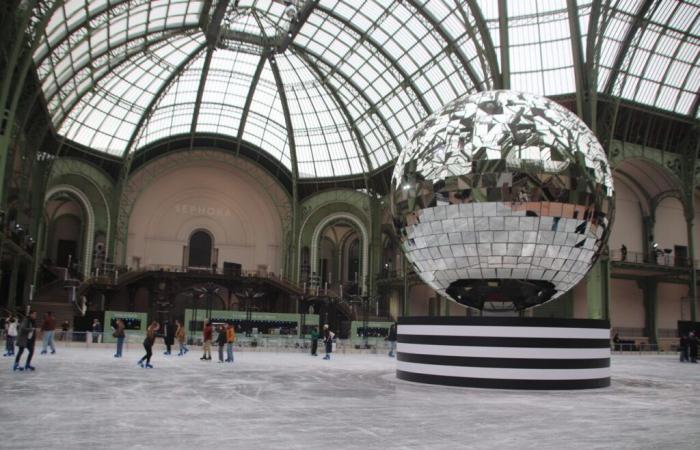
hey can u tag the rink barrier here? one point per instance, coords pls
(504, 352)
(257, 343)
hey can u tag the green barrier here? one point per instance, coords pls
(263, 321)
(136, 323)
(377, 332)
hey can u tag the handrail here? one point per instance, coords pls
(658, 258)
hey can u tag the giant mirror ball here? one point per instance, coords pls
(502, 200)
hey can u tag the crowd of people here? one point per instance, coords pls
(23, 333)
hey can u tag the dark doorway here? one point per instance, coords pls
(681, 256)
(200, 249)
(65, 250)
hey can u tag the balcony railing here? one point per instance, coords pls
(658, 258)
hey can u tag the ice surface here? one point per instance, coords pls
(84, 398)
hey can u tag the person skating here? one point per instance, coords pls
(148, 344)
(120, 335)
(207, 337)
(47, 328)
(220, 341)
(328, 336)
(392, 339)
(168, 336)
(96, 330)
(10, 336)
(683, 347)
(26, 337)
(314, 341)
(181, 337)
(693, 347)
(230, 339)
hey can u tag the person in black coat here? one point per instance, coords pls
(168, 336)
(392, 339)
(693, 347)
(221, 341)
(26, 337)
(683, 347)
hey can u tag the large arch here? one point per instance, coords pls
(90, 222)
(356, 221)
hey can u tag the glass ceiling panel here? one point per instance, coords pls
(106, 116)
(541, 59)
(322, 134)
(376, 66)
(665, 56)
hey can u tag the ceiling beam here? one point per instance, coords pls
(249, 100)
(287, 121)
(505, 43)
(200, 91)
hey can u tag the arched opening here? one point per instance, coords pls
(66, 242)
(200, 249)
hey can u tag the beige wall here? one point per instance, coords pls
(670, 226)
(627, 227)
(669, 307)
(227, 202)
(627, 308)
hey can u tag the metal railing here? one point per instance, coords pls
(658, 258)
(260, 342)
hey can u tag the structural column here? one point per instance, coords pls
(693, 279)
(649, 288)
(12, 292)
(598, 290)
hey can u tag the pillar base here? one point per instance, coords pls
(504, 352)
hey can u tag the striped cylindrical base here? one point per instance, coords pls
(504, 352)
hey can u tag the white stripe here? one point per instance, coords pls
(504, 374)
(504, 352)
(500, 331)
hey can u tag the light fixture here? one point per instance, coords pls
(290, 12)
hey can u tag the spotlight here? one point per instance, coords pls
(406, 186)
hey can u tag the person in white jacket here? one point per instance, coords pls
(10, 336)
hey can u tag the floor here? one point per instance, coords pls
(85, 398)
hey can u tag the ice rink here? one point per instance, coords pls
(85, 398)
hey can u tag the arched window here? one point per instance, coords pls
(200, 249)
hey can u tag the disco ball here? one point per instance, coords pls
(502, 200)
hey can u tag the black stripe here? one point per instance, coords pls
(507, 363)
(507, 322)
(487, 341)
(493, 383)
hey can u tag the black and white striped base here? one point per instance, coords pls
(504, 352)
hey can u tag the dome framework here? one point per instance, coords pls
(337, 88)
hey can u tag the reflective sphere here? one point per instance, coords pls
(502, 200)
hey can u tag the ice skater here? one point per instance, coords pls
(230, 339)
(47, 329)
(26, 337)
(168, 336)
(120, 335)
(693, 347)
(181, 337)
(221, 340)
(328, 336)
(148, 344)
(314, 341)
(10, 336)
(206, 337)
(391, 338)
(683, 347)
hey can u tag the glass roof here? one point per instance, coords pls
(354, 76)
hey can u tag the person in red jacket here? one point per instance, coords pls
(208, 332)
